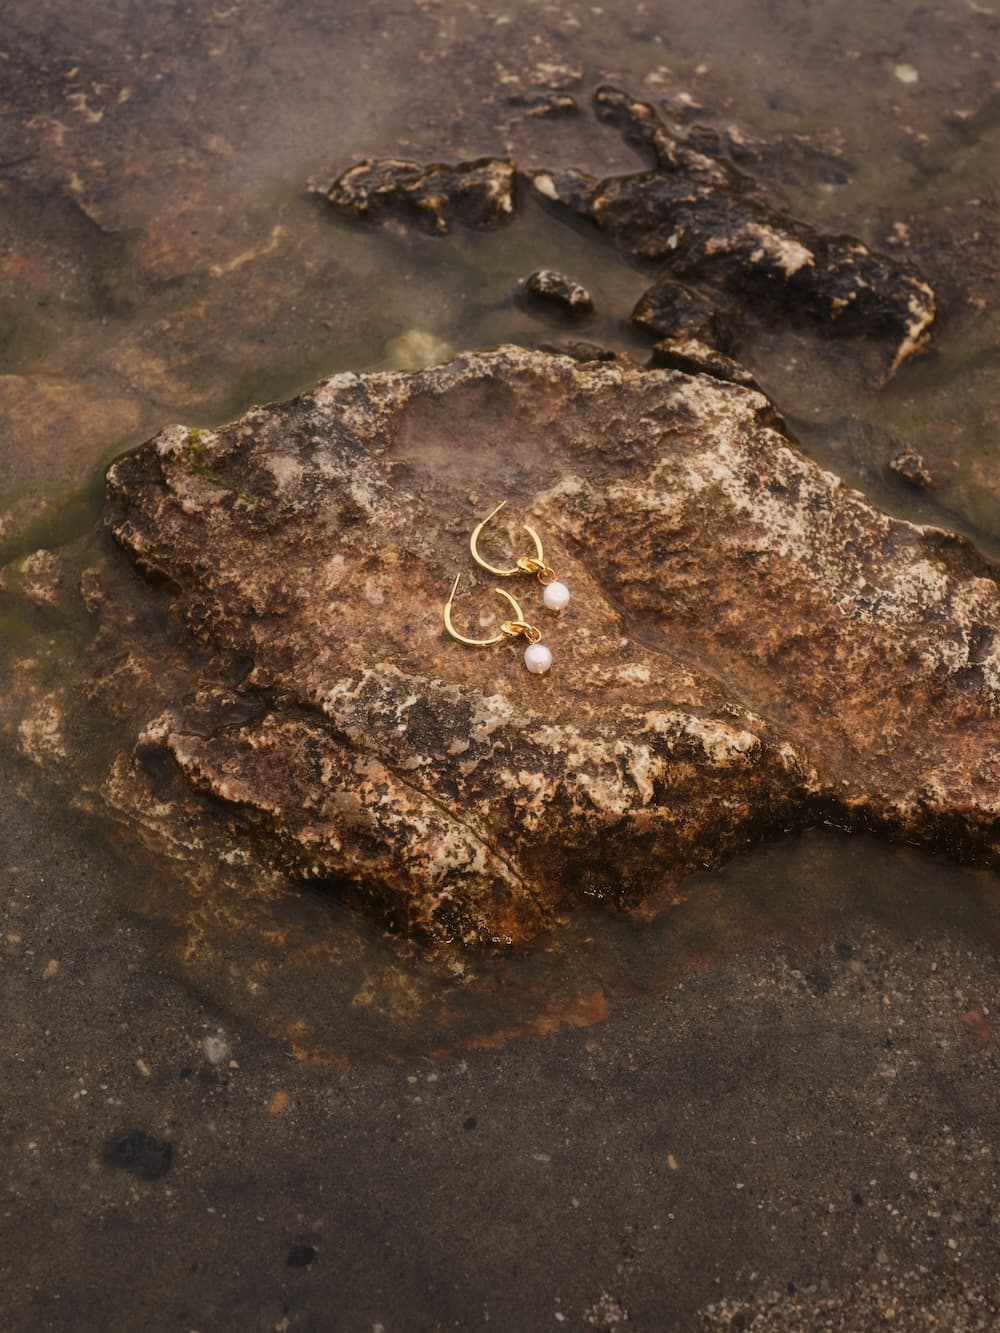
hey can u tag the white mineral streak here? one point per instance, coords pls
(173, 440)
(721, 745)
(642, 768)
(491, 713)
(923, 314)
(544, 184)
(634, 674)
(908, 591)
(286, 470)
(792, 761)
(789, 255)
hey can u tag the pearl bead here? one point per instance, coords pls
(556, 596)
(537, 658)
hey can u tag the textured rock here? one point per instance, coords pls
(706, 220)
(477, 194)
(910, 465)
(751, 647)
(671, 310)
(559, 290)
(699, 358)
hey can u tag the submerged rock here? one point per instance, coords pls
(910, 465)
(699, 358)
(476, 194)
(693, 211)
(671, 310)
(559, 290)
(537, 102)
(750, 647)
(706, 220)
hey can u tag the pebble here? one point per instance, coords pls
(140, 1153)
(909, 465)
(216, 1050)
(560, 290)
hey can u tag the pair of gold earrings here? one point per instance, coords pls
(537, 657)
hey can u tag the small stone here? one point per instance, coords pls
(581, 351)
(906, 73)
(909, 465)
(670, 310)
(558, 289)
(697, 358)
(216, 1050)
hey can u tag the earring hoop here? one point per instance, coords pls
(556, 595)
(537, 657)
(481, 643)
(526, 564)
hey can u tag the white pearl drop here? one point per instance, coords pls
(556, 596)
(537, 658)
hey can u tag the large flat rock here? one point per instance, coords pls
(751, 646)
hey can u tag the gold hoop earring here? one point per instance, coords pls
(556, 594)
(537, 657)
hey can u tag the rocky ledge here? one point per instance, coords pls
(704, 219)
(692, 212)
(751, 647)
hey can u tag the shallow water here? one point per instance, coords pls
(186, 275)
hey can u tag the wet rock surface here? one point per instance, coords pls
(706, 220)
(476, 194)
(751, 647)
